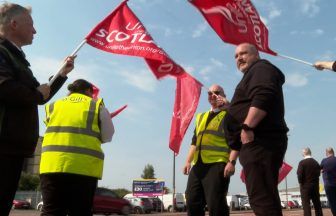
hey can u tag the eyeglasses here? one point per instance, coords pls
(210, 93)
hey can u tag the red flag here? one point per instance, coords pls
(121, 32)
(187, 95)
(95, 92)
(113, 114)
(283, 172)
(235, 22)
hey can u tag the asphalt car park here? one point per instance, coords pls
(296, 212)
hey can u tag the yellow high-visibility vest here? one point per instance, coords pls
(72, 142)
(210, 139)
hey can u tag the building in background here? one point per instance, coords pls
(32, 165)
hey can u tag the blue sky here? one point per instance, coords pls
(303, 29)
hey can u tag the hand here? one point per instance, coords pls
(186, 168)
(321, 65)
(229, 170)
(45, 90)
(246, 136)
(221, 101)
(69, 65)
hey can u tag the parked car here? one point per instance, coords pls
(39, 206)
(167, 200)
(20, 204)
(140, 204)
(247, 206)
(105, 202)
(156, 203)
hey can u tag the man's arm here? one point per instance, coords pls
(300, 173)
(230, 165)
(190, 156)
(254, 116)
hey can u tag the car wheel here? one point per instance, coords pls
(137, 210)
(39, 208)
(170, 208)
(126, 210)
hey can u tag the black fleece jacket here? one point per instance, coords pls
(260, 87)
(19, 99)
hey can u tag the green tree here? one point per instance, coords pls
(29, 182)
(148, 172)
(166, 190)
(121, 192)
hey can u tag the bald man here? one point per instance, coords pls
(255, 125)
(213, 161)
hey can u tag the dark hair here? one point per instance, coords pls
(80, 86)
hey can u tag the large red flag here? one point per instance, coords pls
(235, 21)
(283, 172)
(187, 95)
(121, 32)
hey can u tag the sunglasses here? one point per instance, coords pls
(213, 92)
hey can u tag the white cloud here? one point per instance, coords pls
(188, 68)
(291, 126)
(326, 56)
(43, 67)
(166, 30)
(142, 79)
(309, 7)
(296, 80)
(200, 29)
(264, 20)
(217, 63)
(274, 13)
(312, 33)
(318, 32)
(207, 69)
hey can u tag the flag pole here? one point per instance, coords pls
(295, 59)
(72, 54)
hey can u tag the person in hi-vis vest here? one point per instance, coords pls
(213, 161)
(72, 158)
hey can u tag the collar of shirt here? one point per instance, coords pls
(15, 45)
(18, 48)
(215, 110)
(308, 156)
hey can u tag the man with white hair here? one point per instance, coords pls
(20, 93)
(328, 166)
(308, 174)
(210, 162)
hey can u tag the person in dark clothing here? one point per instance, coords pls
(328, 166)
(321, 65)
(20, 93)
(255, 125)
(308, 174)
(213, 162)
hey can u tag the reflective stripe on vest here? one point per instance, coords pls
(211, 143)
(73, 149)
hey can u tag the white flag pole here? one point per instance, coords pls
(72, 54)
(295, 59)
